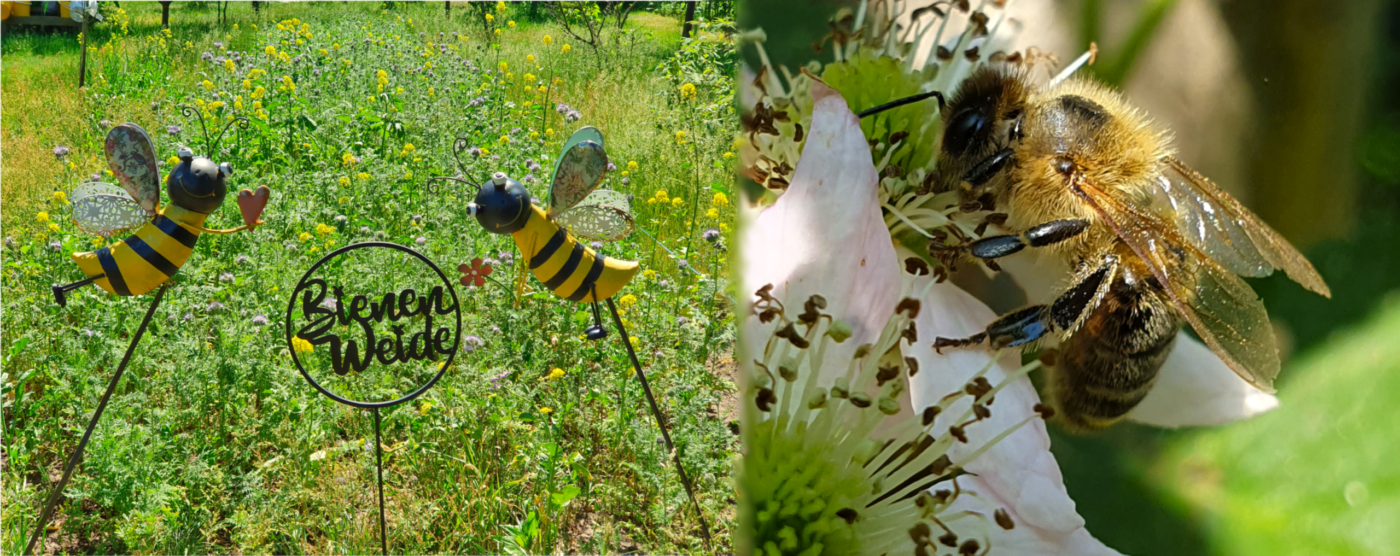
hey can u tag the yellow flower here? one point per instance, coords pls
(60, 197)
(498, 32)
(501, 6)
(270, 50)
(345, 182)
(304, 236)
(505, 139)
(676, 202)
(322, 51)
(322, 229)
(712, 213)
(556, 373)
(172, 160)
(648, 273)
(680, 137)
(661, 194)
(342, 200)
(229, 65)
(408, 175)
(627, 300)
(530, 58)
(490, 18)
(632, 166)
(534, 134)
(687, 91)
(528, 77)
(566, 49)
(347, 160)
(300, 345)
(216, 105)
(510, 24)
(549, 132)
(546, 410)
(41, 217)
(407, 149)
(257, 93)
(53, 227)
(208, 86)
(363, 176)
(720, 200)
(728, 156)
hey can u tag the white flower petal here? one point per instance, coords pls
(1018, 473)
(825, 235)
(1195, 388)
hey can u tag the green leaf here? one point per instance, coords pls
(562, 498)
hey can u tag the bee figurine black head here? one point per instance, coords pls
(502, 206)
(197, 184)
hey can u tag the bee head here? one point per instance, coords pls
(197, 184)
(502, 206)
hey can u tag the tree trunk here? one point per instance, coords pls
(256, 7)
(447, 9)
(689, 17)
(165, 15)
(82, 62)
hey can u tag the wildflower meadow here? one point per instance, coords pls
(535, 440)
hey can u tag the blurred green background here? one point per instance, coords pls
(1315, 149)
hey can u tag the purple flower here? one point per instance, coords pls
(515, 131)
(364, 229)
(682, 263)
(680, 321)
(496, 380)
(261, 320)
(206, 56)
(573, 116)
(711, 235)
(495, 329)
(218, 44)
(214, 307)
(626, 181)
(474, 151)
(226, 277)
(60, 151)
(219, 60)
(421, 240)
(612, 167)
(174, 129)
(471, 342)
(56, 245)
(665, 284)
(561, 108)
(507, 258)
(529, 178)
(95, 177)
(242, 259)
(89, 332)
(331, 303)
(105, 123)
(495, 157)
(533, 166)
(596, 245)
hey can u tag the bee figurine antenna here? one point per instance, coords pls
(211, 146)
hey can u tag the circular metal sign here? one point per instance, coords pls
(367, 334)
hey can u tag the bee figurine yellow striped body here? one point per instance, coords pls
(147, 259)
(565, 265)
(166, 237)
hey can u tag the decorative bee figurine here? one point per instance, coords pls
(577, 207)
(165, 237)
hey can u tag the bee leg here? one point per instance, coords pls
(60, 292)
(1026, 325)
(1049, 233)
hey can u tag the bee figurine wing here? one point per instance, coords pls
(602, 216)
(578, 171)
(132, 157)
(104, 209)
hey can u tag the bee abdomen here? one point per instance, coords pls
(1111, 363)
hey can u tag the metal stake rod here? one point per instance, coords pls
(660, 422)
(92, 424)
(379, 464)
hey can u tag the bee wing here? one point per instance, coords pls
(1222, 308)
(602, 216)
(132, 157)
(579, 170)
(105, 209)
(1219, 225)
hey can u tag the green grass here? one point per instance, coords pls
(213, 443)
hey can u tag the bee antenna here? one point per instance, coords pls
(903, 101)
(433, 189)
(242, 123)
(460, 145)
(191, 113)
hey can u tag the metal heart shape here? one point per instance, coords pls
(252, 203)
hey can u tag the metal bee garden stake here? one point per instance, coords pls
(164, 239)
(561, 262)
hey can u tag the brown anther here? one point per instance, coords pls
(860, 400)
(931, 413)
(920, 533)
(885, 374)
(1014, 58)
(862, 351)
(767, 315)
(1004, 519)
(911, 364)
(797, 137)
(938, 468)
(892, 171)
(765, 399)
(997, 57)
(847, 514)
(959, 433)
(988, 201)
(970, 206)
(789, 333)
(1045, 411)
(969, 548)
(940, 275)
(944, 54)
(971, 53)
(909, 306)
(1049, 357)
(978, 387)
(962, 5)
(981, 411)
(949, 540)
(916, 266)
(980, 20)
(898, 136)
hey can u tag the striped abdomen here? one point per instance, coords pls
(568, 267)
(1110, 363)
(148, 258)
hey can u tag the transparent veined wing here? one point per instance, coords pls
(1222, 309)
(132, 157)
(1226, 231)
(105, 209)
(603, 216)
(572, 183)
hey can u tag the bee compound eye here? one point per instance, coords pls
(964, 128)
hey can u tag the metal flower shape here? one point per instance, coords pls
(474, 274)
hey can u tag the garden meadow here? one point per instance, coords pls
(535, 440)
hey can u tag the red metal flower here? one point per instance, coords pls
(474, 274)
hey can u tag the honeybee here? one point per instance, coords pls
(1153, 245)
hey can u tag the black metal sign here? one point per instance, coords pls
(358, 343)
